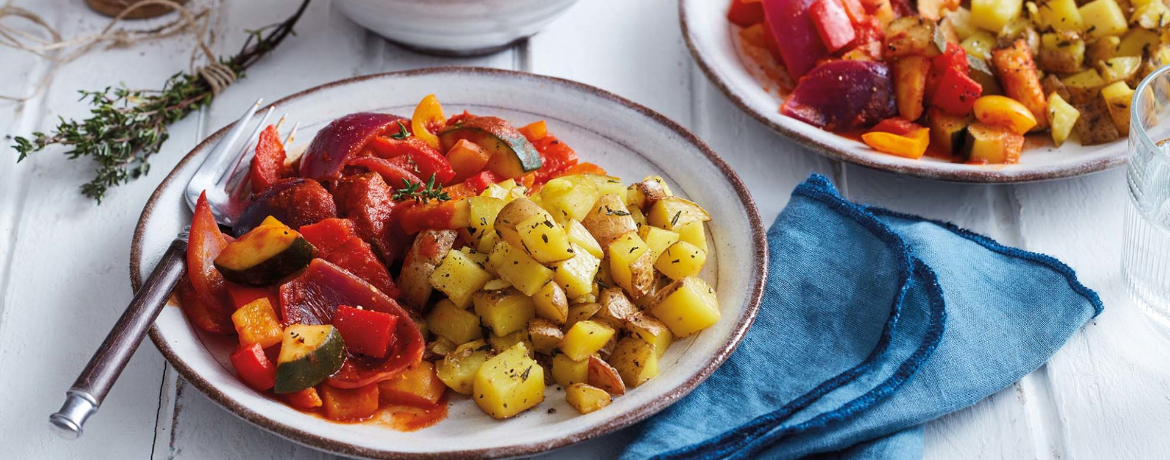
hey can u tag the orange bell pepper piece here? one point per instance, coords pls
(912, 145)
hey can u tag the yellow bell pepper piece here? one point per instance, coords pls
(912, 145)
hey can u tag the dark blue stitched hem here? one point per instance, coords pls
(1043, 259)
(820, 189)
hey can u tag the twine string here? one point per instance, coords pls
(60, 51)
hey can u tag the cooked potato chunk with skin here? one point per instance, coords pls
(581, 312)
(1117, 98)
(566, 372)
(609, 220)
(509, 383)
(456, 324)
(644, 194)
(585, 338)
(500, 343)
(615, 306)
(569, 197)
(545, 335)
(504, 311)
(631, 265)
(686, 306)
(650, 329)
(459, 276)
(514, 266)
(544, 240)
(695, 234)
(575, 276)
(604, 376)
(551, 303)
(515, 212)
(429, 248)
(635, 360)
(681, 260)
(580, 236)
(586, 398)
(483, 211)
(672, 212)
(607, 185)
(459, 367)
(657, 238)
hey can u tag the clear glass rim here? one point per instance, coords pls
(1134, 116)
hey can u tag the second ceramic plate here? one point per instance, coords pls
(714, 43)
(625, 138)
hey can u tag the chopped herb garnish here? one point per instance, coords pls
(421, 193)
(402, 133)
(674, 220)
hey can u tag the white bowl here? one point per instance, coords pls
(454, 27)
(628, 140)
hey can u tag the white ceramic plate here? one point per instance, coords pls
(625, 138)
(714, 43)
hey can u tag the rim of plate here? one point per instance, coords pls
(622, 420)
(924, 170)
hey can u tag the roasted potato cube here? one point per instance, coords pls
(1117, 98)
(673, 212)
(509, 383)
(615, 306)
(551, 303)
(569, 197)
(1136, 42)
(693, 233)
(604, 376)
(644, 194)
(458, 276)
(1063, 52)
(1102, 49)
(427, 251)
(910, 36)
(1063, 117)
(650, 329)
(456, 324)
(581, 312)
(504, 311)
(609, 220)
(1084, 86)
(686, 306)
(441, 346)
(544, 335)
(1123, 68)
(1059, 15)
(500, 343)
(496, 285)
(514, 266)
(585, 338)
(1151, 15)
(1095, 125)
(635, 360)
(681, 260)
(586, 398)
(580, 236)
(512, 214)
(1103, 18)
(458, 368)
(630, 264)
(657, 239)
(544, 240)
(992, 15)
(979, 45)
(960, 21)
(483, 210)
(607, 185)
(567, 372)
(575, 276)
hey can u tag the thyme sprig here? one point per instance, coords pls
(421, 193)
(126, 126)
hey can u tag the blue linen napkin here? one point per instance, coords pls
(873, 323)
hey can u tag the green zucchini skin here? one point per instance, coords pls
(316, 365)
(296, 256)
(949, 133)
(511, 153)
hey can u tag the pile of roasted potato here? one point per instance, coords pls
(1089, 54)
(586, 280)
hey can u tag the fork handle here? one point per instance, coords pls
(90, 388)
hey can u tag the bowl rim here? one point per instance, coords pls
(744, 321)
(974, 175)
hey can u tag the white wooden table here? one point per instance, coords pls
(63, 260)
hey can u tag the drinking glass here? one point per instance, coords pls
(1146, 259)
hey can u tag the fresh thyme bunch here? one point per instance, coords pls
(126, 127)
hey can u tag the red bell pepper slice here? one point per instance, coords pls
(204, 244)
(242, 295)
(832, 23)
(585, 168)
(896, 125)
(415, 217)
(393, 173)
(955, 58)
(956, 93)
(367, 332)
(556, 157)
(746, 12)
(427, 160)
(328, 234)
(254, 367)
(480, 182)
(268, 164)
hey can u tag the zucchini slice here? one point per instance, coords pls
(308, 356)
(265, 255)
(949, 132)
(511, 153)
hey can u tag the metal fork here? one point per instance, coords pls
(222, 176)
